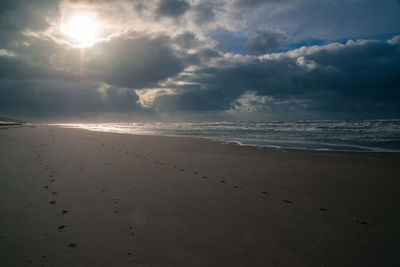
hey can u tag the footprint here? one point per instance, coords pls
(54, 193)
(205, 177)
(72, 245)
(61, 228)
(64, 212)
(52, 181)
(131, 229)
(236, 187)
(46, 186)
(362, 222)
(288, 201)
(52, 202)
(265, 193)
(223, 181)
(130, 254)
(323, 209)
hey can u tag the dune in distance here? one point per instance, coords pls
(4, 121)
(72, 197)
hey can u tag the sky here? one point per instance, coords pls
(192, 60)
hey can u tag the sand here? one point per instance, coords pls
(72, 197)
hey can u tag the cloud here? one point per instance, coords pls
(6, 53)
(263, 41)
(172, 8)
(249, 102)
(395, 40)
(148, 63)
(147, 96)
(358, 76)
(307, 63)
(203, 13)
(134, 61)
(186, 40)
(57, 99)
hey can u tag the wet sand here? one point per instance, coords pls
(72, 197)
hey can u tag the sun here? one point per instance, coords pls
(82, 29)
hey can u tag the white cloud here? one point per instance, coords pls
(248, 102)
(102, 89)
(395, 40)
(147, 96)
(7, 53)
(307, 63)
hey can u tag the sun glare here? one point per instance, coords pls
(82, 29)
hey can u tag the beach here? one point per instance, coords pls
(72, 197)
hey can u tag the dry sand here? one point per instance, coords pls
(72, 197)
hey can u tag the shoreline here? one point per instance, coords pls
(78, 197)
(366, 149)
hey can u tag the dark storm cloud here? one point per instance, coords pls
(20, 14)
(18, 17)
(135, 61)
(361, 76)
(45, 80)
(203, 13)
(263, 41)
(57, 99)
(35, 58)
(186, 40)
(179, 60)
(172, 8)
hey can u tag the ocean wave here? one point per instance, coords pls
(372, 135)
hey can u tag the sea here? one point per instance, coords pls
(362, 135)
